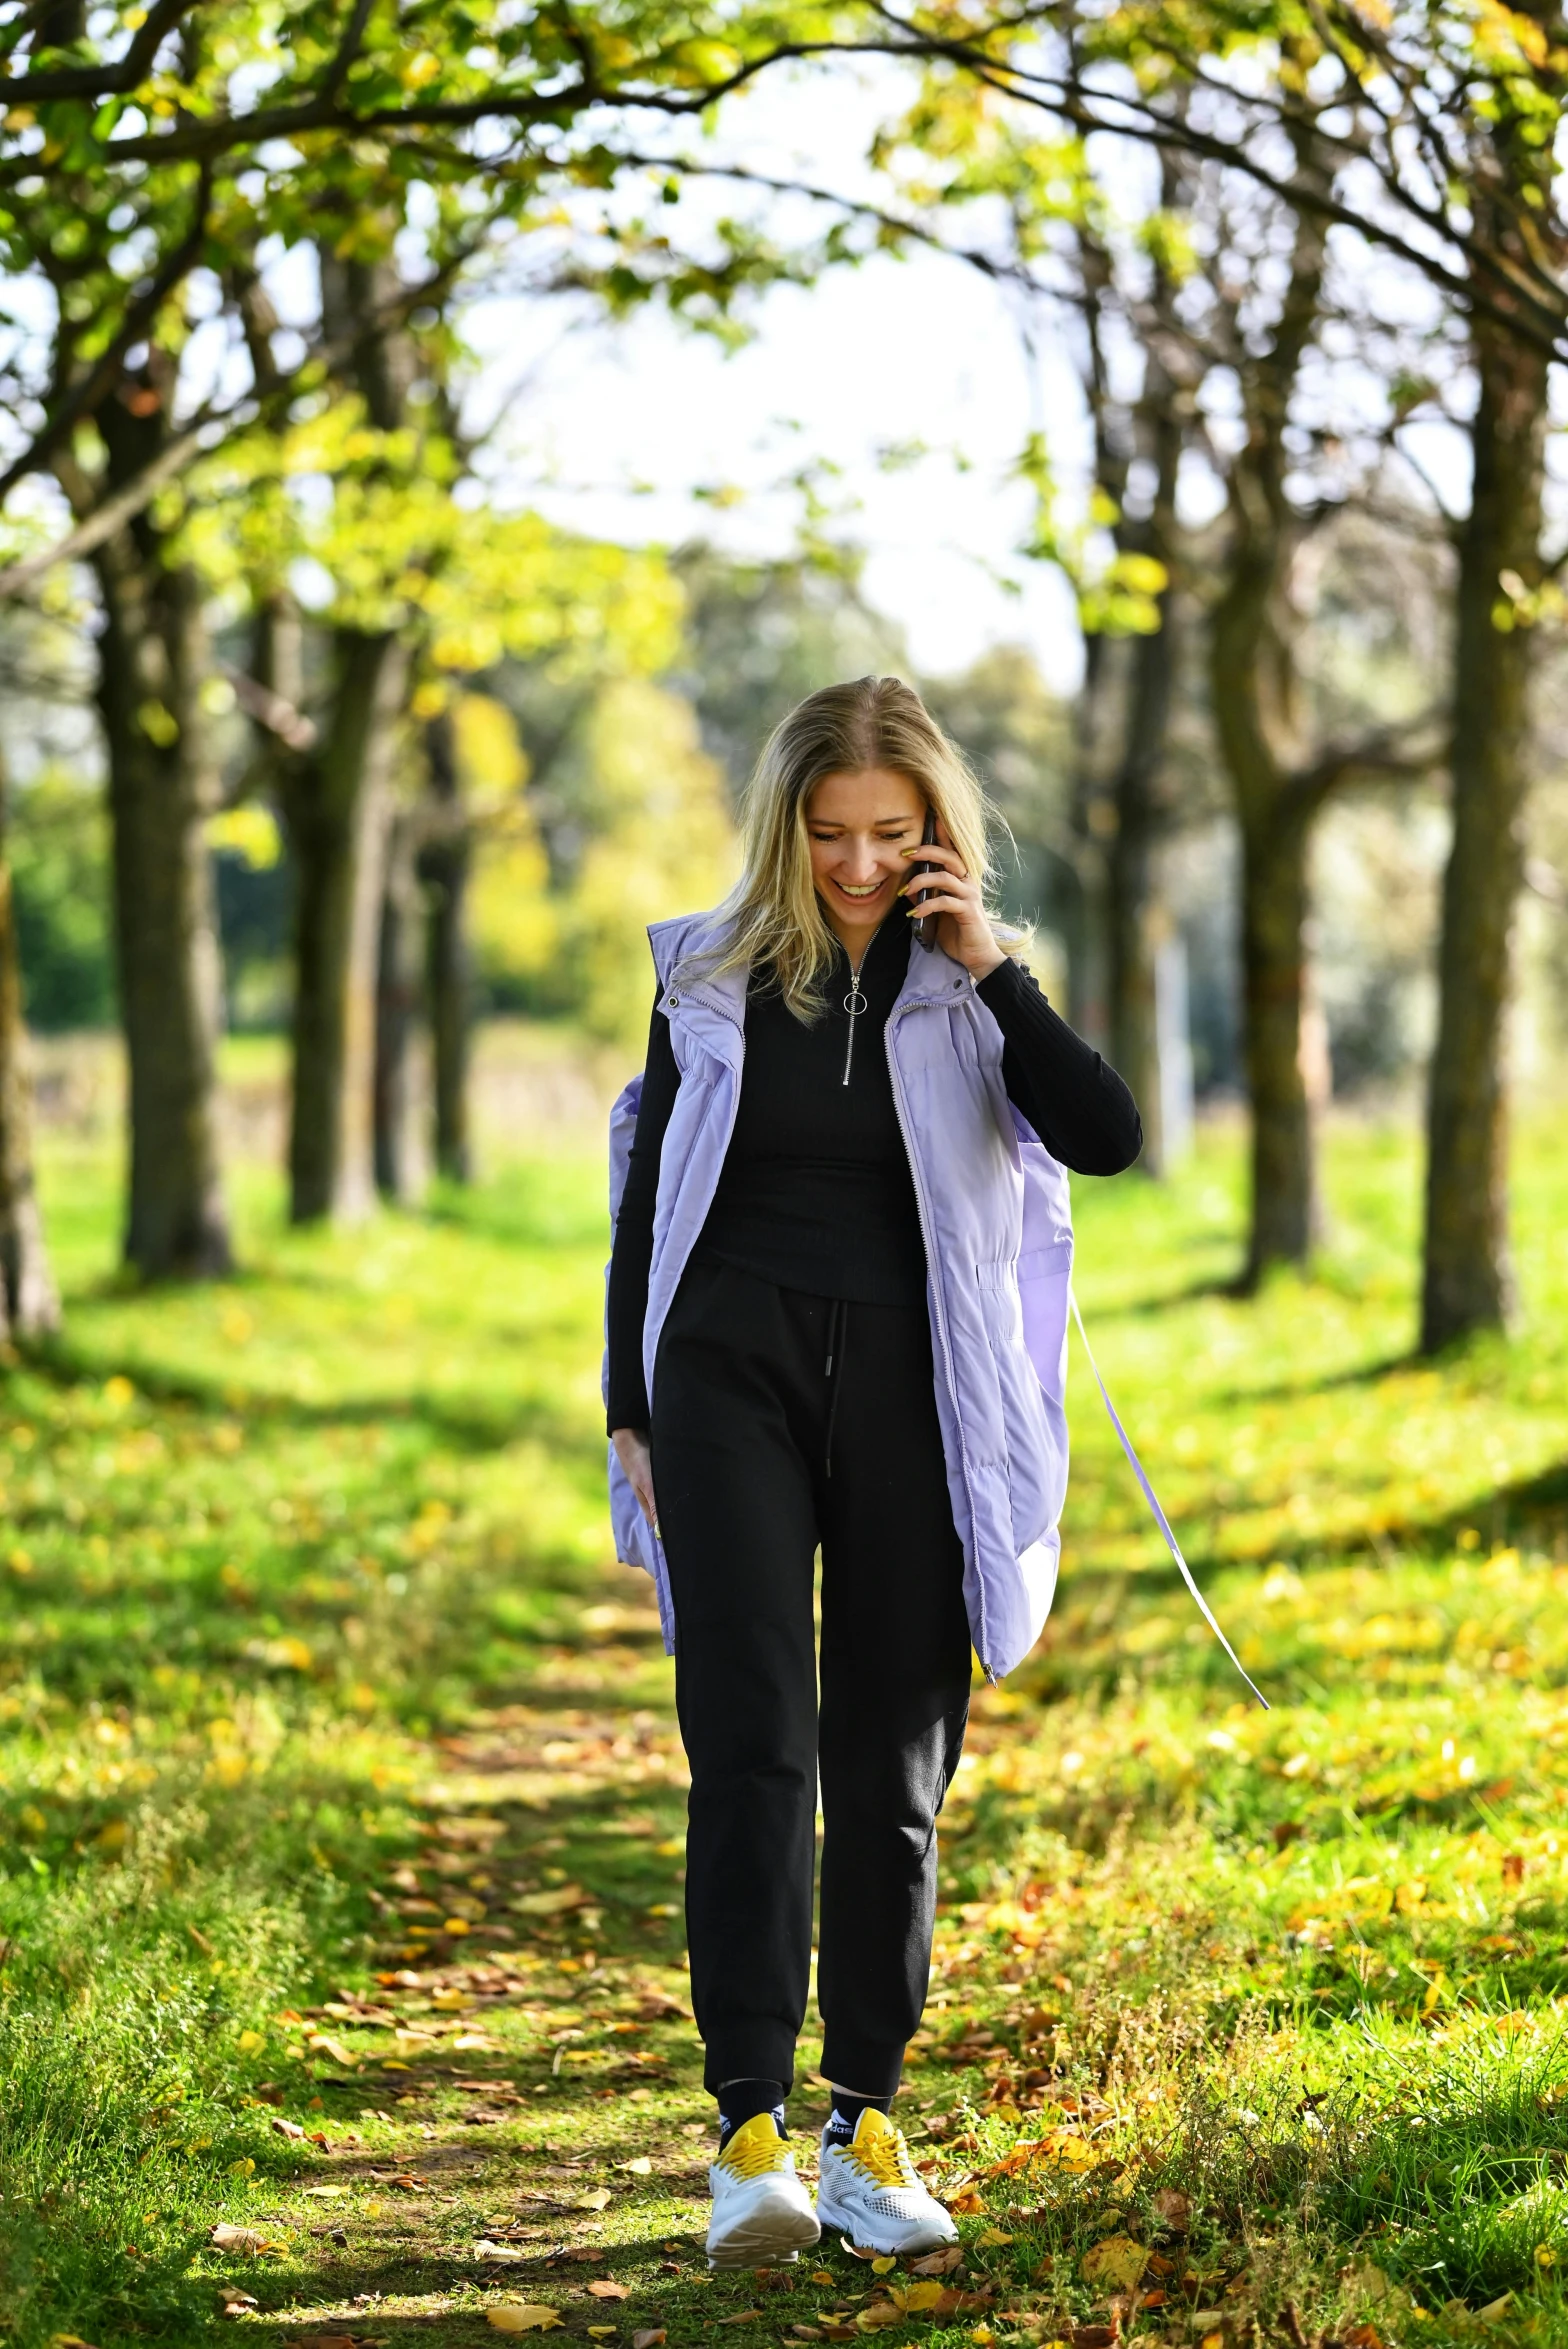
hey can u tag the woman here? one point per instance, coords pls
(816, 1336)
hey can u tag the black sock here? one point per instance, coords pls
(741, 2101)
(846, 2112)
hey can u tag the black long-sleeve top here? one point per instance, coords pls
(816, 1191)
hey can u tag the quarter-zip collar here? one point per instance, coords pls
(694, 990)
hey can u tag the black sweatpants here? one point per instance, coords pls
(752, 1386)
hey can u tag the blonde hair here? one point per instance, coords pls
(777, 920)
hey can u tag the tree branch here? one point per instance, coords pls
(85, 394)
(1372, 759)
(109, 80)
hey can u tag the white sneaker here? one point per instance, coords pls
(868, 2189)
(761, 2211)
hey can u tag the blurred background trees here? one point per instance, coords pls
(311, 729)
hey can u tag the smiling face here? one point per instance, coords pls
(858, 826)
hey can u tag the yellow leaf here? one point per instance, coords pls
(601, 2332)
(917, 2296)
(249, 2041)
(641, 2167)
(883, 2266)
(244, 2168)
(1118, 2262)
(990, 2237)
(549, 1904)
(521, 2316)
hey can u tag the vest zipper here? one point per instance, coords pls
(924, 1003)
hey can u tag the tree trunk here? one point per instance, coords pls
(29, 1301)
(1467, 1281)
(337, 801)
(1286, 1216)
(1131, 938)
(444, 867)
(1133, 926)
(152, 663)
(397, 1013)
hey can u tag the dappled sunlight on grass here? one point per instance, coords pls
(342, 1811)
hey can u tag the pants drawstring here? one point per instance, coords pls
(838, 1335)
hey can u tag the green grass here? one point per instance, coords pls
(339, 1790)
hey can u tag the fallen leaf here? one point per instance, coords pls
(407, 2183)
(1092, 2337)
(838, 2332)
(744, 2316)
(965, 2205)
(601, 2332)
(1118, 2262)
(226, 2238)
(651, 2337)
(1364, 2280)
(230, 2304)
(1173, 2210)
(821, 2275)
(883, 2266)
(74, 2340)
(548, 1904)
(642, 2167)
(991, 2237)
(604, 2289)
(917, 2296)
(1363, 2337)
(326, 2193)
(521, 2316)
(283, 2128)
(334, 2051)
(935, 2263)
(485, 2249)
(880, 2313)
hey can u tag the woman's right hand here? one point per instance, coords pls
(631, 1449)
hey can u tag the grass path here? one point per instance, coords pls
(341, 1814)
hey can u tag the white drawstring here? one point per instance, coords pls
(1160, 1518)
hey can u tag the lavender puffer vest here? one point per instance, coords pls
(997, 1222)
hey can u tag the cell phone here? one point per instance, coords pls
(925, 924)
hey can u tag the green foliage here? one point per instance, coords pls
(58, 849)
(638, 826)
(373, 512)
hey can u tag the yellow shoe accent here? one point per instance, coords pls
(879, 2152)
(754, 2149)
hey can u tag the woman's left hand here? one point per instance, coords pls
(961, 926)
